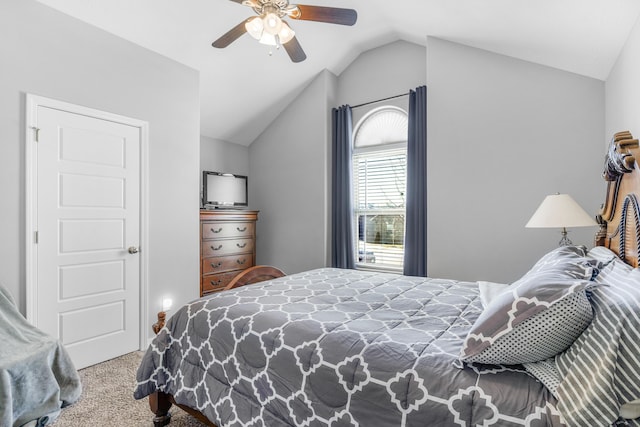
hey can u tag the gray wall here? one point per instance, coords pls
(47, 53)
(379, 73)
(222, 156)
(288, 164)
(504, 133)
(371, 77)
(623, 89)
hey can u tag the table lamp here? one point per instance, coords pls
(560, 211)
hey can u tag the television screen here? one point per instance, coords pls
(223, 189)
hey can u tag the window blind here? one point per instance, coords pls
(380, 180)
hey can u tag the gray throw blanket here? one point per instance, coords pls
(37, 376)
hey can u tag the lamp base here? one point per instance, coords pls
(565, 241)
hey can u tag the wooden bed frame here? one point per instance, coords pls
(619, 217)
(619, 231)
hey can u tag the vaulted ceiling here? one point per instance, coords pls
(243, 87)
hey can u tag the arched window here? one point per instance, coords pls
(379, 186)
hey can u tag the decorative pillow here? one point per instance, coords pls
(546, 372)
(600, 372)
(489, 291)
(539, 315)
(603, 255)
(570, 261)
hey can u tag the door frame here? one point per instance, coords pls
(31, 194)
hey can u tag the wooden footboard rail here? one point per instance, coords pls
(160, 402)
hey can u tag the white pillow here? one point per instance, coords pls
(490, 290)
(630, 410)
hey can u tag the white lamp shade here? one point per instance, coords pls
(560, 211)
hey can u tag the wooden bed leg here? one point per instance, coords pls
(160, 404)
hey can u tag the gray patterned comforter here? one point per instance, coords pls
(338, 348)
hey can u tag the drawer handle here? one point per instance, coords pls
(241, 230)
(241, 262)
(216, 265)
(215, 283)
(241, 245)
(216, 249)
(217, 231)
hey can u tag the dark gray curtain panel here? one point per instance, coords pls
(415, 240)
(342, 230)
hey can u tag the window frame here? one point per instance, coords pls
(376, 149)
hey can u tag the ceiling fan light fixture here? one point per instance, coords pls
(269, 28)
(272, 23)
(268, 39)
(293, 11)
(255, 27)
(286, 33)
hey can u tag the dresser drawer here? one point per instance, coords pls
(221, 230)
(217, 282)
(226, 263)
(215, 248)
(227, 246)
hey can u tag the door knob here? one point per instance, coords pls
(133, 250)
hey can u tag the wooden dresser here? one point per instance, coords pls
(227, 246)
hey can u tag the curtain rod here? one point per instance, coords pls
(380, 100)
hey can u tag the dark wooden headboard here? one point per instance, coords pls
(619, 218)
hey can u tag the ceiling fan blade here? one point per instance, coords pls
(230, 36)
(331, 15)
(294, 50)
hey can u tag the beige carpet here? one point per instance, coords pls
(107, 398)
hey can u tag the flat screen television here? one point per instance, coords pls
(224, 190)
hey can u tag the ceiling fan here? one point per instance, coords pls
(269, 28)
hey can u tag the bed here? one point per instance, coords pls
(332, 347)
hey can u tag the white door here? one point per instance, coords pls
(86, 212)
